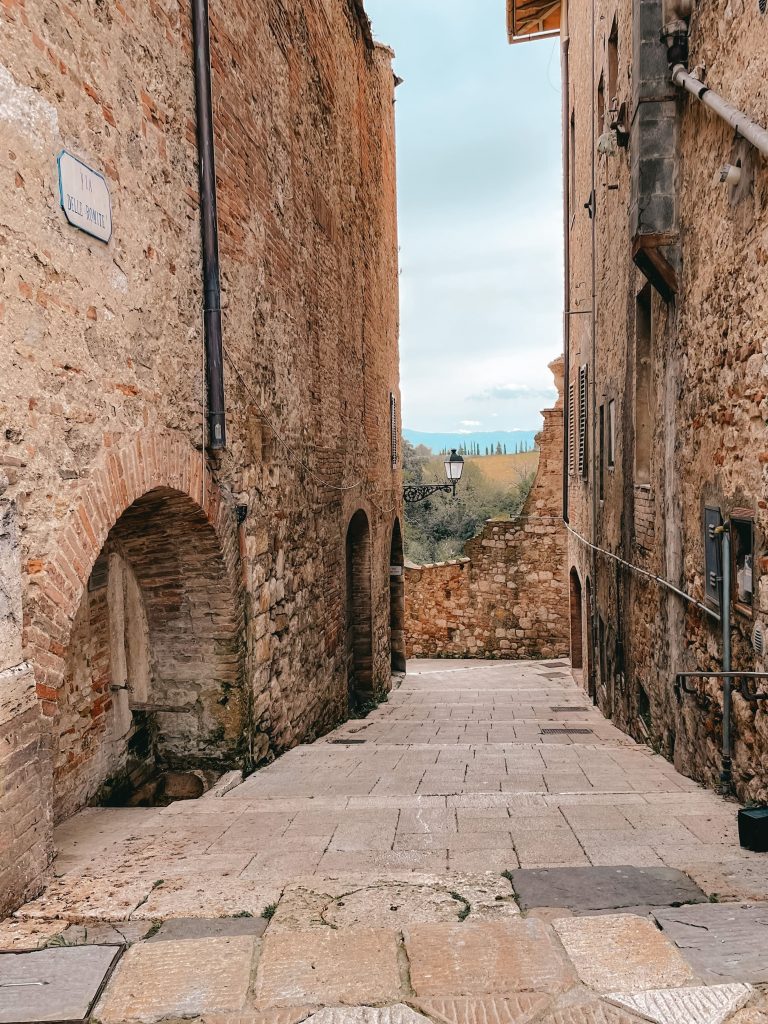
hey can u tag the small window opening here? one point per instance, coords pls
(572, 165)
(742, 550)
(613, 65)
(601, 105)
(611, 434)
(601, 432)
(643, 382)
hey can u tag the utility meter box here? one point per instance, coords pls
(753, 829)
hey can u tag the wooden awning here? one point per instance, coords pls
(532, 19)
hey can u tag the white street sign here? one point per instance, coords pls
(84, 197)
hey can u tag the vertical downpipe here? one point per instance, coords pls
(593, 382)
(565, 86)
(726, 775)
(214, 369)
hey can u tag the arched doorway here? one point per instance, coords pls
(397, 600)
(152, 674)
(359, 641)
(590, 638)
(576, 611)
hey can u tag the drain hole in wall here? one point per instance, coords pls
(159, 789)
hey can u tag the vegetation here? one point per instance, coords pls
(437, 528)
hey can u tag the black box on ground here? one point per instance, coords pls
(753, 829)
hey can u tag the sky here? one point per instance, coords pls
(479, 183)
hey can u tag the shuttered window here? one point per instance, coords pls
(583, 421)
(571, 429)
(393, 439)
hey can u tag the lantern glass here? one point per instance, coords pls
(454, 467)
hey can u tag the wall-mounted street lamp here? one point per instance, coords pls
(454, 467)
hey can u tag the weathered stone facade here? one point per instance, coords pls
(508, 597)
(181, 607)
(680, 366)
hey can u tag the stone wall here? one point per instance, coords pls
(702, 426)
(26, 845)
(232, 643)
(508, 598)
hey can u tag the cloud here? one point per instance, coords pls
(514, 392)
(470, 423)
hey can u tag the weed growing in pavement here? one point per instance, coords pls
(269, 911)
(243, 913)
(154, 929)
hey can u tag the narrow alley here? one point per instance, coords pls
(483, 847)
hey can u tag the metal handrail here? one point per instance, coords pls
(753, 698)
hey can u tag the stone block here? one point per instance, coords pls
(180, 979)
(350, 966)
(603, 888)
(622, 953)
(721, 941)
(493, 958)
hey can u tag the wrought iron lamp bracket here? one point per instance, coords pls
(418, 492)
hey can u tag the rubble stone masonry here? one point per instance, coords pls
(508, 597)
(687, 373)
(175, 608)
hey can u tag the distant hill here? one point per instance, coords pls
(486, 439)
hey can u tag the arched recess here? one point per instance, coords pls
(576, 612)
(589, 637)
(359, 633)
(135, 626)
(397, 600)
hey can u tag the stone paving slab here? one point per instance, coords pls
(28, 934)
(722, 941)
(53, 984)
(517, 1008)
(493, 958)
(192, 976)
(208, 928)
(356, 965)
(695, 1005)
(201, 896)
(622, 953)
(603, 888)
(397, 1014)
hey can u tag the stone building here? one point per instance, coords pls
(666, 306)
(172, 595)
(508, 597)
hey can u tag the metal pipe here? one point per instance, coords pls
(214, 366)
(745, 126)
(726, 775)
(567, 425)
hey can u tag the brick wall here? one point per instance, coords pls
(508, 598)
(102, 388)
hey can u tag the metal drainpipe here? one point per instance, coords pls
(593, 388)
(214, 368)
(744, 125)
(567, 425)
(726, 775)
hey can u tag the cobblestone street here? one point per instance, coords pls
(483, 847)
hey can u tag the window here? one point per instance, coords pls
(601, 432)
(572, 429)
(613, 65)
(393, 438)
(611, 434)
(583, 396)
(712, 555)
(643, 383)
(742, 548)
(601, 105)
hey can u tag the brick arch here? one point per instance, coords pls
(577, 616)
(148, 501)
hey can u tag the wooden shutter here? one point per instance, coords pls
(583, 397)
(393, 439)
(571, 429)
